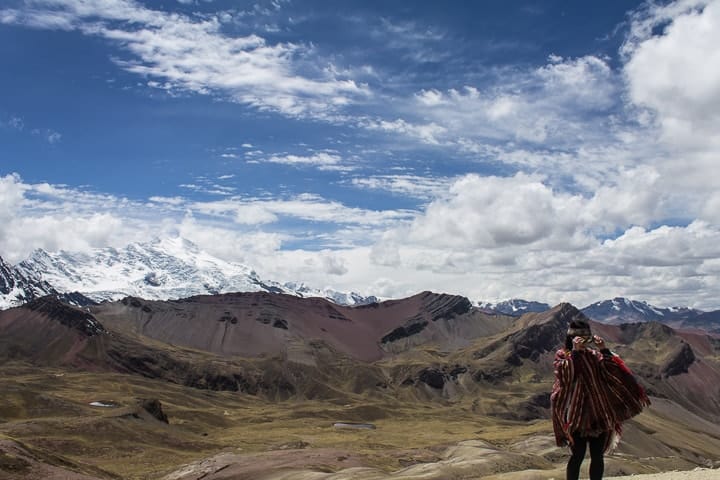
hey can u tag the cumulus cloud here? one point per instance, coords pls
(553, 104)
(44, 216)
(248, 247)
(194, 54)
(673, 70)
(25, 208)
(491, 237)
(332, 264)
(488, 212)
(491, 212)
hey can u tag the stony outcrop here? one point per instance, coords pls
(154, 408)
(405, 331)
(679, 361)
(67, 315)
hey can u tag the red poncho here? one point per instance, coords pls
(593, 393)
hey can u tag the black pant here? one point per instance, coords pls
(597, 463)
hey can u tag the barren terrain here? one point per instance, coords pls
(452, 393)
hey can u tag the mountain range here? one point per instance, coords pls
(622, 310)
(175, 268)
(233, 362)
(514, 307)
(161, 269)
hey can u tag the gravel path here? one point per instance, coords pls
(697, 474)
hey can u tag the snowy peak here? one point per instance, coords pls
(156, 270)
(514, 307)
(17, 288)
(623, 310)
(341, 298)
(161, 269)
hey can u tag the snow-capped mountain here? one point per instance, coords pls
(341, 298)
(623, 310)
(17, 288)
(514, 307)
(161, 269)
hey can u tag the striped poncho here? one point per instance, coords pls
(594, 392)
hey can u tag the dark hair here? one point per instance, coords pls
(575, 325)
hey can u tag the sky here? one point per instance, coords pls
(553, 151)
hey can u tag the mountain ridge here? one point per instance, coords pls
(17, 288)
(161, 269)
(174, 268)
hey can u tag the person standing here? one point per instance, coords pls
(594, 392)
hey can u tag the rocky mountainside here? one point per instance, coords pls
(17, 288)
(514, 307)
(161, 269)
(622, 310)
(253, 324)
(272, 345)
(429, 346)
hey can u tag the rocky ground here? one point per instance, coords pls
(697, 474)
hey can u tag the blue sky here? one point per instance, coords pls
(553, 151)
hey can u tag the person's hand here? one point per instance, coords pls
(600, 342)
(578, 343)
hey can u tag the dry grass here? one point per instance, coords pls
(48, 411)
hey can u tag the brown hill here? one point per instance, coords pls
(49, 331)
(264, 324)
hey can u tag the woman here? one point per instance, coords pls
(594, 392)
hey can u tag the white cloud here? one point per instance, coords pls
(633, 199)
(427, 132)
(249, 247)
(176, 201)
(18, 124)
(675, 74)
(555, 104)
(490, 212)
(492, 237)
(193, 54)
(252, 214)
(55, 218)
(306, 207)
(406, 185)
(333, 264)
(321, 160)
